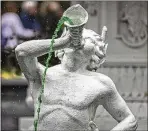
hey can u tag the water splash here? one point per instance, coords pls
(59, 25)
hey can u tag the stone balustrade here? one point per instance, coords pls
(130, 81)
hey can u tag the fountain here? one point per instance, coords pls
(67, 95)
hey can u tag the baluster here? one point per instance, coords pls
(142, 110)
(130, 80)
(142, 89)
(125, 83)
(114, 74)
(134, 82)
(109, 72)
(135, 108)
(118, 79)
(145, 81)
(100, 70)
(106, 71)
(138, 85)
(122, 81)
(142, 82)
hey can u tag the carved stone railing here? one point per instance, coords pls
(130, 80)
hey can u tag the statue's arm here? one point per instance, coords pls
(119, 110)
(28, 52)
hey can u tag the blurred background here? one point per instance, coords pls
(126, 61)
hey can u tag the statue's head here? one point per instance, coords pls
(92, 54)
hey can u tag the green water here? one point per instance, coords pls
(59, 25)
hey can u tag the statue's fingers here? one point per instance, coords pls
(55, 53)
(64, 32)
(99, 43)
(93, 126)
(92, 64)
(105, 48)
(104, 32)
(102, 61)
(96, 59)
(97, 37)
(99, 52)
(60, 54)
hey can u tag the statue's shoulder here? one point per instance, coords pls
(106, 81)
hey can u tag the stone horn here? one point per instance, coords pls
(79, 17)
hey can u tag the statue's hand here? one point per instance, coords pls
(100, 48)
(93, 126)
(67, 35)
(75, 41)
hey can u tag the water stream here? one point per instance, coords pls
(37, 109)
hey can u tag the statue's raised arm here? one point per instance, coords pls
(28, 52)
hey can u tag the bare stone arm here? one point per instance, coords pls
(28, 52)
(117, 107)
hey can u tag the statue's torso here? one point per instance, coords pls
(66, 100)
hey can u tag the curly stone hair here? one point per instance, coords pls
(100, 48)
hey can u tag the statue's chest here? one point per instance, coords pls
(76, 91)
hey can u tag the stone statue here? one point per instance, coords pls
(73, 91)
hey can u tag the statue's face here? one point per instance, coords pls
(84, 54)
